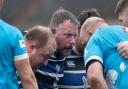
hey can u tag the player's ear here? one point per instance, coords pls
(90, 33)
(53, 31)
(31, 46)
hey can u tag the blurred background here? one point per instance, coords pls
(27, 13)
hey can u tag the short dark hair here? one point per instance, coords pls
(60, 16)
(121, 5)
(39, 34)
(85, 14)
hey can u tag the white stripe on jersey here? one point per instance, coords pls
(73, 56)
(50, 74)
(21, 57)
(70, 87)
(76, 72)
(56, 60)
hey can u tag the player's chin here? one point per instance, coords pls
(67, 48)
(66, 51)
(39, 65)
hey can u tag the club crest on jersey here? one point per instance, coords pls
(22, 43)
(125, 29)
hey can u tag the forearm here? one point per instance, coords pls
(26, 74)
(95, 76)
(98, 84)
(29, 83)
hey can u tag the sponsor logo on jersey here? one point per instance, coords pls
(122, 67)
(71, 63)
(22, 43)
(111, 78)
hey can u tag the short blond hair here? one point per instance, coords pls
(40, 35)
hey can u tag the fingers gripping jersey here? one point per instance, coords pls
(103, 47)
(11, 49)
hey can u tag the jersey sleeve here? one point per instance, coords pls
(18, 45)
(93, 50)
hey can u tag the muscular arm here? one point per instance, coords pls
(26, 74)
(95, 76)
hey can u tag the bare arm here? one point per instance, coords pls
(95, 76)
(122, 47)
(26, 74)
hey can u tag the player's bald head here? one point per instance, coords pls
(89, 27)
(93, 23)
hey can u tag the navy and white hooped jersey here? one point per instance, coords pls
(103, 47)
(48, 76)
(74, 72)
(12, 48)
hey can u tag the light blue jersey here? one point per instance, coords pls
(12, 48)
(103, 47)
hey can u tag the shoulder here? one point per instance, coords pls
(108, 32)
(9, 29)
(111, 29)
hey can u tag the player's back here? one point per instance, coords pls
(7, 70)
(115, 66)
